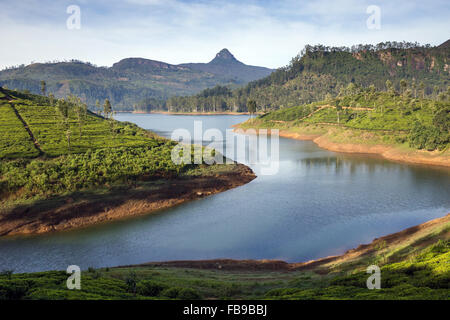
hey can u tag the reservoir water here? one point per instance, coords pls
(319, 203)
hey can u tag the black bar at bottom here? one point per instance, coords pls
(207, 309)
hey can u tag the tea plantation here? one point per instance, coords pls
(45, 151)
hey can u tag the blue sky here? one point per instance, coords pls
(267, 33)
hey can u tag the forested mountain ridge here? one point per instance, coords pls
(130, 80)
(320, 71)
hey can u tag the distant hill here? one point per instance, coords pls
(225, 64)
(130, 80)
(320, 71)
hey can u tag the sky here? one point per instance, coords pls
(264, 33)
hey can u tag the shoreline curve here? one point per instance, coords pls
(387, 152)
(71, 213)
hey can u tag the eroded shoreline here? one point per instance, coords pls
(415, 237)
(75, 212)
(386, 151)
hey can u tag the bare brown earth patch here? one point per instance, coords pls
(87, 209)
(387, 152)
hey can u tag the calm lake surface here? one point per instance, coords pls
(319, 203)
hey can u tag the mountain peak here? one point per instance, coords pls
(224, 56)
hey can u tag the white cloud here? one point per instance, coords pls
(176, 32)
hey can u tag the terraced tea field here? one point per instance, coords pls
(14, 139)
(47, 129)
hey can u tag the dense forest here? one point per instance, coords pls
(320, 71)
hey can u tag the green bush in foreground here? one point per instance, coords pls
(149, 288)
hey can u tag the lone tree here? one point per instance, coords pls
(422, 89)
(68, 134)
(51, 99)
(338, 109)
(435, 92)
(107, 108)
(389, 86)
(251, 106)
(43, 87)
(80, 109)
(62, 107)
(403, 86)
(414, 87)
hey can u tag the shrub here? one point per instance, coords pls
(231, 290)
(7, 273)
(130, 281)
(188, 294)
(181, 293)
(10, 290)
(171, 292)
(426, 137)
(149, 288)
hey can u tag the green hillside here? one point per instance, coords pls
(320, 71)
(44, 153)
(14, 139)
(49, 131)
(369, 116)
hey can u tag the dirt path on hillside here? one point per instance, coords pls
(320, 108)
(27, 128)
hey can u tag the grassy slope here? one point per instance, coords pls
(378, 118)
(14, 139)
(45, 124)
(107, 156)
(97, 157)
(362, 110)
(415, 265)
